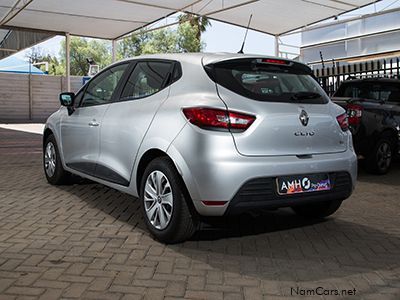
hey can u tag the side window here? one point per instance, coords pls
(101, 88)
(146, 79)
(177, 74)
(390, 93)
(78, 98)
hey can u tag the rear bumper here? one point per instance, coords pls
(213, 170)
(261, 193)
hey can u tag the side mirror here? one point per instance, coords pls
(67, 99)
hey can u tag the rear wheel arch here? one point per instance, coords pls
(390, 133)
(146, 158)
(149, 156)
(382, 151)
(179, 221)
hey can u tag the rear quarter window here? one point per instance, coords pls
(147, 78)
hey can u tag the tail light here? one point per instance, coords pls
(217, 119)
(354, 112)
(343, 121)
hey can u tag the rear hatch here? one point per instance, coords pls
(280, 94)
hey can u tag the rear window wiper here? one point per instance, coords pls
(305, 96)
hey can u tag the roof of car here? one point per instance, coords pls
(206, 57)
(380, 79)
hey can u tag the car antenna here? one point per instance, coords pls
(245, 36)
(322, 59)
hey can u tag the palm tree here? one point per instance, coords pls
(199, 22)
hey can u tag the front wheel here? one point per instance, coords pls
(318, 210)
(53, 168)
(165, 203)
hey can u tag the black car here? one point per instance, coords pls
(373, 108)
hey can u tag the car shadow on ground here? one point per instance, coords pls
(271, 245)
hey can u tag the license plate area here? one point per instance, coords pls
(299, 184)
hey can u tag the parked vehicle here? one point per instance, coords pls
(373, 107)
(197, 135)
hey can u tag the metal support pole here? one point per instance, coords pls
(30, 91)
(277, 45)
(114, 50)
(67, 61)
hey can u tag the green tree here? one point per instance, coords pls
(161, 41)
(187, 40)
(38, 55)
(82, 49)
(199, 23)
(186, 37)
(132, 45)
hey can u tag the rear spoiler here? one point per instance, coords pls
(274, 64)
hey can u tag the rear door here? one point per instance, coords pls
(127, 120)
(294, 115)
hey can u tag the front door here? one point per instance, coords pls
(80, 131)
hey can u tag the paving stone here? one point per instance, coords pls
(75, 290)
(87, 241)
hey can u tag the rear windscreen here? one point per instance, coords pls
(268, 82)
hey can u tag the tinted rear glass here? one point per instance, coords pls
(268, 82)
(378, 91)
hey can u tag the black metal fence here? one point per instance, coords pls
(330, 78)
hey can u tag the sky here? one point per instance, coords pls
(221, 37)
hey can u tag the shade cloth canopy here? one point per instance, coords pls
(112, 19)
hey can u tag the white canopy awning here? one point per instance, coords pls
(112, 19)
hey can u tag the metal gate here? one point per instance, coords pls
(330, 78)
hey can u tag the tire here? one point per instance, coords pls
(380, 159)
(52, 165)
(156, 204)
(318, 210)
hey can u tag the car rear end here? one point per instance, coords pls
(276, 141)
(364, 113)
(371, 105)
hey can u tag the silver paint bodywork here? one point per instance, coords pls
(213, 164)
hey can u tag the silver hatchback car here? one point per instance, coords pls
(197, 135)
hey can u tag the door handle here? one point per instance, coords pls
(93, 123)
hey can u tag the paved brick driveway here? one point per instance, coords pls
(88, 241)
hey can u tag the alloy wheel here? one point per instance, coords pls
(50, 159)
(158, 200)
(384, 156)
